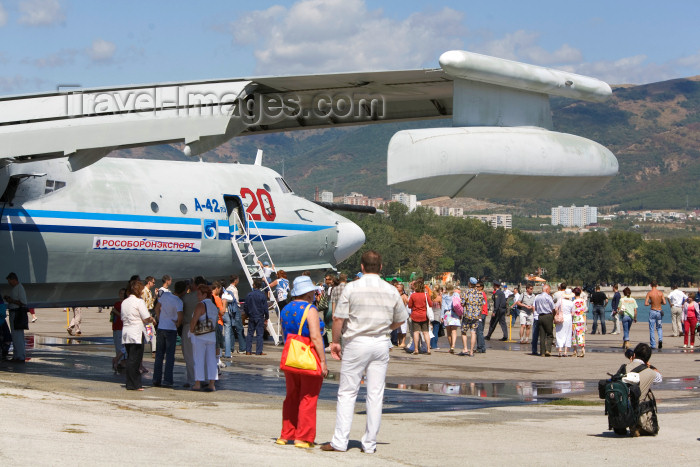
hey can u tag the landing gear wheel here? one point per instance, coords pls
(620, 431)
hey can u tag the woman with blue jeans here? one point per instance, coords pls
(628, 307)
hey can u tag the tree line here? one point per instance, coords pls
(426, 244)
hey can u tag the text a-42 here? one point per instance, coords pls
(258, 204)
(208, 204)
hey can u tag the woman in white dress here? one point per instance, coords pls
(204, 345)
(451, 320)
(134, 315)
(563, 330)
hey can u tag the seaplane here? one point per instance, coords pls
(75, 224)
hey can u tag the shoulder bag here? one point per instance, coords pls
(558, 313)
(299, 355)
(206, 326)
(457, 305)
(429, 310)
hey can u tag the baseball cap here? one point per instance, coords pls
(473, 281)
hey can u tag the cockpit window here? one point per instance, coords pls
(283, 185)
(53, 185)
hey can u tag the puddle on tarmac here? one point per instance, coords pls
(527, 391)
(46, 342)
(532, 391)
(598, 348)
(400, 397)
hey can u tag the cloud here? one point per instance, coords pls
(40, 12)
(628, 70)
(13, 84)
(101, 51)
(317, 36)
(247, 29)
(691, 62)
(3, 16)
(343, 35)
(523, 46)
(61, 58)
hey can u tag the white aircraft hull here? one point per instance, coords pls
(116, 218)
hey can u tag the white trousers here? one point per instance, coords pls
(362, 355)
(676, 321)
(204, 353)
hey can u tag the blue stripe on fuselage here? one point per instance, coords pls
(303, 227)
(100, 230)
(22, 227)
(100, 216)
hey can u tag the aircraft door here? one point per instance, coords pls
(236, 224)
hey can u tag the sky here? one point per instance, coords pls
(45, 44)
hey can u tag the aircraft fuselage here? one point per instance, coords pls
(76, 237)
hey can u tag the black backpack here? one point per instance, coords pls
(621, 400)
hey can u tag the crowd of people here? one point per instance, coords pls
(356, 322)
(206, 317)
(548, 320)
(368, 308)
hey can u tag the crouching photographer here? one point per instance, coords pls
(629, 400)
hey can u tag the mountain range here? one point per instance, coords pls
(653, 129)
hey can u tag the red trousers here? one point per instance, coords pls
(299, 408)
(689, 331)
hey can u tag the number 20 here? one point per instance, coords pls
(260, 198)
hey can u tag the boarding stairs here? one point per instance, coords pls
(252, 252)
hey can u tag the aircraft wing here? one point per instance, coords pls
(86, 124)
(501, 139)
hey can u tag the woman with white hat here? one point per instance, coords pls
(299, 408)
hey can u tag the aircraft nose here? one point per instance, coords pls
(350, 239)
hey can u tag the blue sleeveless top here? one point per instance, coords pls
(290, 317)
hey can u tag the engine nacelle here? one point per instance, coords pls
(497, 162)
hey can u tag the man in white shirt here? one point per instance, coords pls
(525, 305)
(676, 299)
(544, 309)
(167, 280)
(506, 291)
(267, 271)
(514, 314)
(371, 308)
(169, 313)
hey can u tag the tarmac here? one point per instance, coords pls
(65, 406)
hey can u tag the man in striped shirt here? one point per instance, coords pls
(544, 308)
(368, 310)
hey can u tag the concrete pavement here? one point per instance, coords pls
(65, 406)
